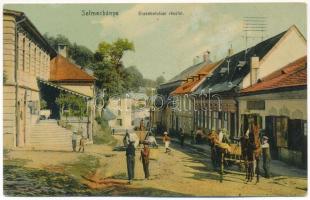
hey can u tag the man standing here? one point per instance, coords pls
(130, 157)
(145, 158)
(266, 156)
(74, 138)
(182, 137)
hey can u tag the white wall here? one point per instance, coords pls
(290, 47)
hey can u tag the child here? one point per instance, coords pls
(82, 143)
(166, 140)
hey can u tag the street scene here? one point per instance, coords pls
(154, 100)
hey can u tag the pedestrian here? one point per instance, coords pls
(82, 144)
(126, 139)
(145, 158)
(130, 158)
(113, 131)
(199, 136)
(74, 138)
(182, 137)
(166, 140)
(213, 138)
(266, 156)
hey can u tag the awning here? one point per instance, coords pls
(63, 89)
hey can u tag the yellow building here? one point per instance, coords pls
(26, 58)
(29, 64)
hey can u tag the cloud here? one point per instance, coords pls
(169, 43)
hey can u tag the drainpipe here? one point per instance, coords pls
(16, 79)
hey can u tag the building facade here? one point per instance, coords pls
(278, 104)
(242, 70)
(26, 58)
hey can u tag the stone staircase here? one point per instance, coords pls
(47, 135)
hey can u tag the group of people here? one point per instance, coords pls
(81, 142)
(144, 155)
(130, 158)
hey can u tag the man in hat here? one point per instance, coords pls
(166, 140)
(74, 139)
(130, 157)
(145, 158)
(266, 156)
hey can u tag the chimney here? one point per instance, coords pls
(62, 50)
(206, 56)
(254, 69)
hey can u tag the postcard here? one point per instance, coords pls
(155, 100)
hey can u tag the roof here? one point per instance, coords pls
(292, 75)
(30, 28)
(189, 71)
(62, 88)
(196, 79)
(176, 81)
(62, 70)
(239, 67)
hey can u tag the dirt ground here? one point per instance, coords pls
(183, 171)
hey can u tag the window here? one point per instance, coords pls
(35, 61)
(215, 118)
(119, 122)
(24, 55)
(29, 56)
(39, 65)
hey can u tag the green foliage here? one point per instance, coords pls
(113, 52)
(86, 165)
(149, 83)
(134, 79)
(81, 55)
(160, 80)
(109, 69)
(76, 106)
(43, 104)
(109, 78)
(103, 134)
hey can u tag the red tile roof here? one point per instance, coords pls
(196, 79)
(293, 74)
(61, 69)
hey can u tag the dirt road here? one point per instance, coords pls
(183, 172)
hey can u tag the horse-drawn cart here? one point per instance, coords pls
(228, 155)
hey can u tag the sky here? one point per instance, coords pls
(165, 45)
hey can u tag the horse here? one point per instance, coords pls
(251, 150)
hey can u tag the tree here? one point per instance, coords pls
(149, 83)
(109, 69)
(81, 55)
(160, 80)
(133, 79)
(109, 79)
(76, 106)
